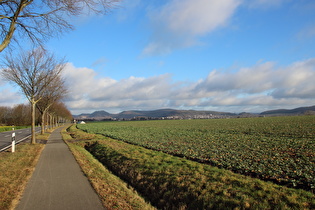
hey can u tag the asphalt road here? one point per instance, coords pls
(6, 137)
(58, 182)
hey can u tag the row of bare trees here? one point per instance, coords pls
(38, 74)
(20, 115)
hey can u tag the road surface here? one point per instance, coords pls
(58, 182)
(6, 137)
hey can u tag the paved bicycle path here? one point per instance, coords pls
(58, 182)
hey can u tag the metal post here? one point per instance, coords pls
(13, 142)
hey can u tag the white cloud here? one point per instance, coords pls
(260, 87)
(249, 80)
(180, 23)
(135, 88)
(10, 96)
(89, 91)
(82, 82)
(257, 88)
(295, 80)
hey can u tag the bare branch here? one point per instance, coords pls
(40, 20)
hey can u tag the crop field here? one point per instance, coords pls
(9, 128)
(279, 149)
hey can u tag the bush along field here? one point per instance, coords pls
(171, 182)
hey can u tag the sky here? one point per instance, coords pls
(219, 55)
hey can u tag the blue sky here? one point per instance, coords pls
(221, 55)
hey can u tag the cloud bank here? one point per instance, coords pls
(180, 23)
(257, 88)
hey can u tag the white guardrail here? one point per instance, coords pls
(14, 142)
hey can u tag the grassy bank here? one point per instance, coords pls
(15, 170)
(170, 182)
(114, 193)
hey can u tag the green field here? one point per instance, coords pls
(10, 128)
(280, 149)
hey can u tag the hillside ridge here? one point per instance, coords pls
(159, 113)
(296, 111)
(187, 114)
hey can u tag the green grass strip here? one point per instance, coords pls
(113, 192)
(176, 183)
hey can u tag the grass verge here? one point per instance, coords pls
(15, 170)
(170, 182)
(113, 192)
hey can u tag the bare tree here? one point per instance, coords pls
(39, 20)
(21, 114)
(32, 72)
(54, 92)
(5, 115)
(59, 112)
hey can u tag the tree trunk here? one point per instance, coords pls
(47, 122)
(50, 122)
(43, 123)
(54, 121)
(57, 121)
(44, 120)
(33, 121)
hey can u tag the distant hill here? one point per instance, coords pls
(100, 114)
(296, 111)
(168, 113)
(187, 114)
(95, 115)
(160, 113)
